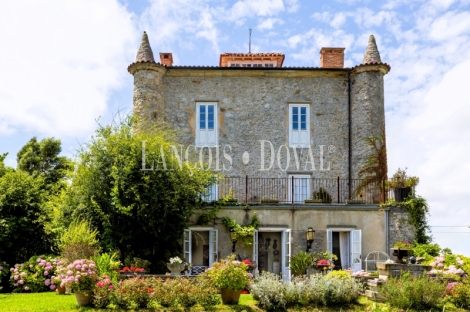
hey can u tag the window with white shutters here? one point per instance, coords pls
(299, 125)
(206, 133)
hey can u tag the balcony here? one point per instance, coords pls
(250, 190)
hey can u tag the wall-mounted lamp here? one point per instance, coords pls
(310, 236)
(233, 237)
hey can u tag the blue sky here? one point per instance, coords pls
(63, 65)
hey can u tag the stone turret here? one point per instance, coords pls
(372, 55)
(149, 103)
(367, 104)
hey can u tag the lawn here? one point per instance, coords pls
(50, 302)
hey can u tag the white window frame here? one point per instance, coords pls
(213, 243)
(202, 135)
(294, 140)
(300, 181)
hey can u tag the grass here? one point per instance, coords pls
(50, 302)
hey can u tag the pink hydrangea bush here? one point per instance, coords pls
(78, 275)
(448, 264)
(35, 275)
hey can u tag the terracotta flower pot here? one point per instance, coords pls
(83, 297)
(230, 296)
(60, 290)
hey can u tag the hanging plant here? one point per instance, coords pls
(243, 232)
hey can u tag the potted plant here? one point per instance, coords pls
(323, 260)
(401, 250)
(231, 277)
(80, 277)
(187, 268)
(402, 184)
(269, 200)
(176, 265)
(322, 196)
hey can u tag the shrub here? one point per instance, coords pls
(79, 275)
(300, 262)
(335, 289)
(133, 293)
(78, 241)
(424, 250)
(461, 294)
(338, 274)
(270, 292)
(207, 294)
(102, 292)
(229, 274)
(108, 265)
(4, 271)
(35, 275)
(407, 292)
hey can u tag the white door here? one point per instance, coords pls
(286, 254)
(187, 246)
(356, 250)
(302, 189)
(255, 246)
(213, 246)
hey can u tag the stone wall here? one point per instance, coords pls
(255, 107)
(399, 227)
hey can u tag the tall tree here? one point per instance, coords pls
(3, 169)
(22, 219)
(42, 159)
(139, 212)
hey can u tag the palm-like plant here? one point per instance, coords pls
(375, 167)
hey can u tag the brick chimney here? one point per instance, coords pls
(166, 59)
(332, 57)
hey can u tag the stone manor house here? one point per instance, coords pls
(289, 143)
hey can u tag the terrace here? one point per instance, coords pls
(253, 190)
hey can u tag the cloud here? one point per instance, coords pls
(269, 23)
(60, 62)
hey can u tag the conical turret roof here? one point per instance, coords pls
(372, 54)
(145, 53)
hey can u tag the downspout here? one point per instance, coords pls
(349, 135)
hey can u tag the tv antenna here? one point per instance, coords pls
(249, 41)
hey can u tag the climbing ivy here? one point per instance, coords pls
(418, 210)
(243, 232)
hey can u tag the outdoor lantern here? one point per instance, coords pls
(310, 235)
(233, 237)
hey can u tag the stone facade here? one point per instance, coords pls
(400, 228)
(345, 105)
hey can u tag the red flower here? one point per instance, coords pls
(246, 261)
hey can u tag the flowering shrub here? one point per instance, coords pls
(402, 245)
(229, 274)
(175, 260)
(449, 264)
(134, 293)
(79, 275)
(35, 275)
(153, 293)
(408, 292)
(272, 293)
(460, 293)
(132, 269)
(102, 292)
